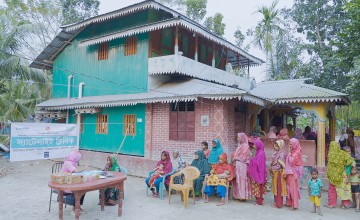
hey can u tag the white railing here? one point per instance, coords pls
(182, 65)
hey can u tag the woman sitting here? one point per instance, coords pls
(178, 164)
(204, 167)
(166, 161)
(111, 194)
(221, 168)
(70, 165)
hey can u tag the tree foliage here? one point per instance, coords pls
(215, 24)
(196, 9)
(77, 10)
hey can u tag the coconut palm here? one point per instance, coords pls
(21, 87)
(266, 30)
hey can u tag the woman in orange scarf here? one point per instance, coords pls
(219, 176)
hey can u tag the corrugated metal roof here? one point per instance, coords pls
(290, 91)
(176, 90)
(70, 31)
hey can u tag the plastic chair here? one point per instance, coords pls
(56, 167)
(229, 187)
(162, 184)
(190, 173)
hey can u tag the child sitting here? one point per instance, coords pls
(354, 180)
(205, 148)
(315, 186)
(159, 172)
(224, 175)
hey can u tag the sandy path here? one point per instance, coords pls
(24, 194)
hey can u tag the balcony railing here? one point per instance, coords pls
(172, 64)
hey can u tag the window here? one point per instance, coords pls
(101, 124)
(129, 125)
(81, 122)
(103, 51)
(130, 46)
(182, 121)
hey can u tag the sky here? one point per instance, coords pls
(237, 13)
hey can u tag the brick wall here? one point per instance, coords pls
(222, 125)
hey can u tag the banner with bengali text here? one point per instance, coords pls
(35, 141)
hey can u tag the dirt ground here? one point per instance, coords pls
(24, 194)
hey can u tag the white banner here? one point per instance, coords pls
(35, 141)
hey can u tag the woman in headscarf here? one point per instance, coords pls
(277, 166)
(293, 172)
(258, 132)
(298, 134)
(241, 163)
(204, 167)
(351, 140)
(283, 135)
(223, 169)
(257, 172)
(70, 165)
(338, 160)
(215, 152)
(166, 161)
(272, 132)
(178, 164)
(111, 194)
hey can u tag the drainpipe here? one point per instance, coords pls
(68, 96)
(81, 85)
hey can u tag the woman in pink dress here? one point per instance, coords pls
(293, 173)
(241, 163)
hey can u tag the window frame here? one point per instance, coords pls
(132, 130)
(103, 51)
(100, 118)
(130, 46)
(182, 121)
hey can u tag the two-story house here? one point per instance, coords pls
(150, 79)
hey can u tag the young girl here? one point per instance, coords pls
(354, 180)
(205, 148)
(278, 186)
(159, 172)
(315, 186)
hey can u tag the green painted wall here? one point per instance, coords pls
(133, 145)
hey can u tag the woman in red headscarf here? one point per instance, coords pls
(219, 176)
(257, 172)
(293, 173)
(166, 161)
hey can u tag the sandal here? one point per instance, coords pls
(329, 207)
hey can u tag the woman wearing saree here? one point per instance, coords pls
(223, 169)
(338, 160)
(165, 159)
(277, 166)
(293, 172)
(204, 167)
(283, 135)
(215, 152)
(241, 163)
(111, 194)
(257, 172)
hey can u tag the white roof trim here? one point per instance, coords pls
(308, 100)
(121, 12)
(166, 24)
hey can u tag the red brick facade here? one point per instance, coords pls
(222, 125)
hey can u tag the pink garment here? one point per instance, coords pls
(71, 161)
(332, 195)
(167, 166)
(293, 192)
(293, 171)
(283, 135)
(241, 157)
(257, 166)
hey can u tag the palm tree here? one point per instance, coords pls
(266, 31)
(21, 87)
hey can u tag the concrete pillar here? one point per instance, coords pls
(332, 131)
(321, 144)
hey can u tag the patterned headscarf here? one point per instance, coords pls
(294, 159)
(278, 158)
(112, 164)
(215, 152)
(337, 161)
